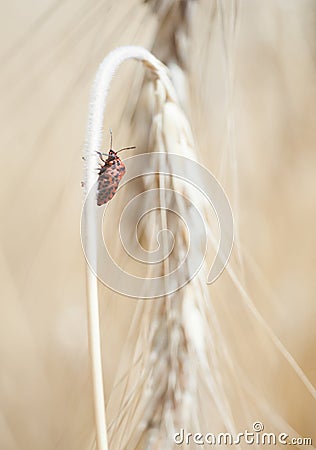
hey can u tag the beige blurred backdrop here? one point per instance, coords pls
(50, 51)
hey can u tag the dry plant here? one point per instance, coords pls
(208, 359)
(173, 346)
(94, 139)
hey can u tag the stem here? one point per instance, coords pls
(99, 94)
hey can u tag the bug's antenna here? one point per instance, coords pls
(125, 148)
(111, 139)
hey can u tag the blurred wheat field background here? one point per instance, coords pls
(245, 75)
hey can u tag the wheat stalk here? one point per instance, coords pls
(170, 132)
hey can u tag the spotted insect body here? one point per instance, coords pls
(110, 174)
(111, 171)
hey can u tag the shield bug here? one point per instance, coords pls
(111, 171)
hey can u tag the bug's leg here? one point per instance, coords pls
(100, 156)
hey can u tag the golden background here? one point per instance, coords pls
(50, 51)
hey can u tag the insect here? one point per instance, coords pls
(111, 172)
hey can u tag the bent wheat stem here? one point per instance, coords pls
(98, 100)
